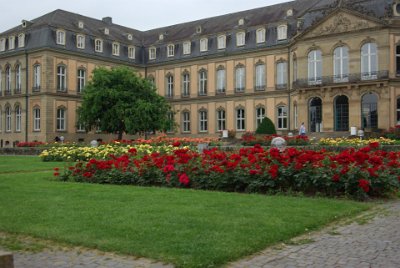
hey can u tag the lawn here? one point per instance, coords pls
(184, 227)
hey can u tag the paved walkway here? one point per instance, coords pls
(375, 243)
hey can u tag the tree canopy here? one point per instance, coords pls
(117, 100)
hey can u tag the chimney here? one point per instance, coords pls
(107, 20)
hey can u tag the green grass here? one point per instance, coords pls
(184, 227)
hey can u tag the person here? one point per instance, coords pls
(302, 130)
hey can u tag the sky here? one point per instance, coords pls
(141, 15)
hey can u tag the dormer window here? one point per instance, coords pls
(170, 50)
(80, 24)
(198, 29)
(289, 12)
(203, 44)
(115, 49)
(11, 42)
(241, 22)
(130, 37)
(152, 53)
(25, 23)
(2, 44)
(21, 40)
(106, 31)
(186, 48)
(80, 41)
(260, 35)
(98, 45)
(160, 37)
(221, 42)
(240, 39)
(282, 32)
(60, 37)
(131, 52)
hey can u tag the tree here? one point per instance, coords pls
(266, 127)
(117, 100)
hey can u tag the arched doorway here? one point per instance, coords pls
(341, 113)
(369, 111)
(315, 115)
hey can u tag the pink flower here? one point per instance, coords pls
(184, 179)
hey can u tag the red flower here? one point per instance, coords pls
(273, 171)
(87, 174)
(374, 145)
(364, 184)
(56, 169)
(184, 179)
(336, 178)
(176, 144)
(56, 174)
(253, 172)
(168, 168)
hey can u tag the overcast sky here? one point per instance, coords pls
(137, 14)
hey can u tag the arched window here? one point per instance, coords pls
(203, 44)
(240, 119)
(240, 39)
(169, 86)
(80, 41)
(282, 32)
(21, 40)
(221, 120)
(81, 79)
(61, 78)
(36, 119)
(221, 80)
(185, 84)
(369, 61)
(18, 82)
(341, 64)
(98, 45)
(260, 35)
(203, 121)
(282, 117)
(341, 113)
(60, 37)
(281, 75)
(315, 67)
(202, 82)
(260, 114)
(170, 50)
(185, 121)
(221, 42)
(18, 118)
(8, 80)
(369, 111)
(260, 76)
(61, 119)
(36, 77)
(240, 78)
(8, 119)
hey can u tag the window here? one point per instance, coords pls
(60, 37)
(61, 78)
(170, 50)
(8, 119)
(2, 44)
(240, 39)
(170, 86)
(282, 32)
(282, 117)
(1, 85)
(296, 116)
(8, 80)
(36, 77)
(369, 111)
(21, 40)
(60, 124)
(115, 49)
(131, 52)
(221, 80)
(260, 35)
(80, 41)
(281, 75)
(81, 80)
(260, 77)
(186, 48)
(221, 120)
(36, 119)
(294, 68)
(186, 121)
(341, 64)
(185, 84)
(18, 82)
(398, 59)
(203, 121)
(240, 78)
(152, 53)
(1, 120)
(398, 111)
(221, 42)
(11, 42)
(170, 127)
(260, 114)
(240, 120)
(369, 61)
(203, 83)
(315, 67)
(203, 44)
(18, 118)
(98, 45)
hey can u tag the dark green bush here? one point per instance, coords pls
(266, 127)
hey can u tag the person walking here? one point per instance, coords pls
(302, 130)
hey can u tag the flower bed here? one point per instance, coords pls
(251, 139)
(354, 142)
(31, 144)
(355, 173)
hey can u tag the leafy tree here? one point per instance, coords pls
(266, 127)
(117, 100)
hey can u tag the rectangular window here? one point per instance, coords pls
(170, 50)
(60, 37)
(240, 39)
(203, 83)
(240, 120)
(81, 80)
(203, 121)
(282, 117)
(18, 119)
(36, 119)
(185, 85)
(131, 52)
(61, 78)
(296, 117)
(11, 42)
(281, 75)
(170, 86)
(203, 45)
(18, 82)
(221, 42)
(115, 49)
(2, 44)
(8, 119)
(221, 81)
(282, 32)
(260, 36)
(260, 114)
(36, 78)
(60, 119)
(80, 41)
(186, 48)
(98, 45)
(260, 77)
(240, 79)
(186, 121)
(152, 53)
(221, 120)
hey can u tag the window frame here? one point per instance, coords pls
(203, 82)
(11, 42)
(18, 118)
(260, 82)
(185, 84)
(8, 80)
(240, 39)
(98, 45)
(221, 80)
(221, 41)
(372, 70)
(282, 117)
(240, 78)
(341, 62)
(80, 41)
(36, 118)
(282, 32)
(203, 44)
(116, 49)
(240, 119)
(169, 89)
(61, 119)
(21, 40)
(186, 48)
(281, 74)
(60, 37)
(132, 52)
(170, 50)
(61, 78)
(81, 80)
(186, 122)
(221, 120)
(7, 114)
(152, 53)
(315, 67)
(2, 44)
(18, 78)
(260, 116)
(260, 35)
(203, 121)
(36, 77)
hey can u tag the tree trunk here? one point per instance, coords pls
(145, 135)
(120, 135)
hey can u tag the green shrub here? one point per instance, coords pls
(266, 127)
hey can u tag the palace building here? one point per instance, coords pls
(332, 64)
